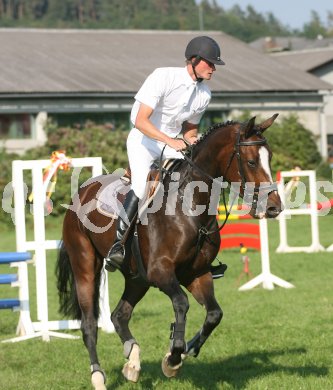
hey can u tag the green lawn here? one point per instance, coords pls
(280, 339)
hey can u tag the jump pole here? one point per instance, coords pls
(24, 329)
(266, 278)
(43, 327)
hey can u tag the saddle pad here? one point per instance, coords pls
(115, 187)
(111, 196)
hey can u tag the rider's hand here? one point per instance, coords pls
(177, 144)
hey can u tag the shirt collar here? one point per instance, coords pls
(188, 81)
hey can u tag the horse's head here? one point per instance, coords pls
(249, 165)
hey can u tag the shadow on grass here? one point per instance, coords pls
(235, 371)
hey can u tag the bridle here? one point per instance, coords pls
(262, 189)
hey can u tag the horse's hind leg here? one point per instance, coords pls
(120, 317)
(87, 271)
(202, 290)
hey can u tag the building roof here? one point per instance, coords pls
(307, 60)
(117, 61)
(274, 44)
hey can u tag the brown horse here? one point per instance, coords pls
(176, 248)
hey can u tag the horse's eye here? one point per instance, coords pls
(251, 163)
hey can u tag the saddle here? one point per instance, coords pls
(115, 187)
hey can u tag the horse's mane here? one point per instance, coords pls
(211, 130)
(216, 126)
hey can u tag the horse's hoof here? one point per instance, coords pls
(131, 369)
(131, 372)
(98, 381)
(169, 371)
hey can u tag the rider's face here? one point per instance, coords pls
(205, 69)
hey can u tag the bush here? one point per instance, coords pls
(324, 171)
(89, 141)
(291, 143)
(6, 160)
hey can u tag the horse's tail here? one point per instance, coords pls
(69, 304)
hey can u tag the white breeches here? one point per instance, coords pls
(142, 151)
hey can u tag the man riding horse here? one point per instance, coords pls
(171, 100)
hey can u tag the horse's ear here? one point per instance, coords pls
(267, 123)
(249, 127)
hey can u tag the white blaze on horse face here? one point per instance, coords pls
(264, 159)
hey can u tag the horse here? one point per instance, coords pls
(176, 250)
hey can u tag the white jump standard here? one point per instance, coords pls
(266, 278)
(39, 245)
(312, 211)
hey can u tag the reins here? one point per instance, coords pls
(196, 167)
(236, 152)
(203, 231)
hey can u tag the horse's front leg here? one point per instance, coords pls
(170, 286)
(202, 289)
(120, 317)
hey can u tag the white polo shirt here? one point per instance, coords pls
(174, 97)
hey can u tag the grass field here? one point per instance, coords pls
(280, 339)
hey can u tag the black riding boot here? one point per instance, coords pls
(115, 257)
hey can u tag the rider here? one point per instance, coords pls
(170, 100)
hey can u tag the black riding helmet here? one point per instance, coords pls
(206, 48)
(203, 48)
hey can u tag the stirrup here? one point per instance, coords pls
(115, 257)
(218, 270)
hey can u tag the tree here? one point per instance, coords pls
(39, 8)
(314, 28)
(330, 24)
(292, 145)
